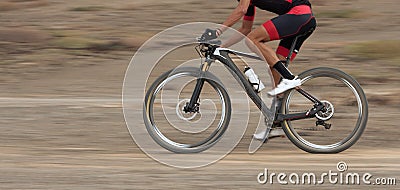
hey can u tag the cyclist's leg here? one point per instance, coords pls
(281, 27)
(283, 49)
(258, 37)
(286, 43)
(288, 38)
(284, 27)
(265, 33)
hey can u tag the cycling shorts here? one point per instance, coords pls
(299, 20)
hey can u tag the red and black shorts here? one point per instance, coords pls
(299, 20)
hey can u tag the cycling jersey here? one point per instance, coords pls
(279, 7)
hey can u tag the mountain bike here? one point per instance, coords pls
(326, 114)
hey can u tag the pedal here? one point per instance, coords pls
(327, 125)
(322, 123)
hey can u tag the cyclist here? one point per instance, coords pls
(294, 17)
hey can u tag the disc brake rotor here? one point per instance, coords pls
(327, 112)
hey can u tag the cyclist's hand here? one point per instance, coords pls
(209, 35)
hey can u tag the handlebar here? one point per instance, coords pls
(211, 42)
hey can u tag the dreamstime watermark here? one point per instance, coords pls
(340, 176)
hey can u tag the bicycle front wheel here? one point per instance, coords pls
(173, 128)
(346, 112)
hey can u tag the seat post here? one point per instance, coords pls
(291, 51)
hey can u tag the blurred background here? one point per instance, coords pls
(62, 65)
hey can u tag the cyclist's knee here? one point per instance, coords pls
(280, 57)
(250, 42)
(253, 39)
(259, 35)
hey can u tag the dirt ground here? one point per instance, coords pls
(61, 72)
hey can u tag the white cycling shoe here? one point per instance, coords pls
(275, 132)
(284, 85)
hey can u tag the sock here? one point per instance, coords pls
(285, 73)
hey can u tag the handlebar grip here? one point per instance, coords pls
(215, 42)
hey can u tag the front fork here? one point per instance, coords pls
(193, 105)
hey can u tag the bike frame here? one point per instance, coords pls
(222, 55)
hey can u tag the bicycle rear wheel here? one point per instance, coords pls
(176, 130)
(346, 111)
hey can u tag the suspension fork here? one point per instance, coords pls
(192, 105)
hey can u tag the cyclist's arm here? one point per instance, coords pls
(246, 27)
(236, 15)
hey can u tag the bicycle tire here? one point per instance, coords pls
(359, 127)
(176, 147)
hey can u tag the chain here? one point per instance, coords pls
(298, 111)
(316, 128)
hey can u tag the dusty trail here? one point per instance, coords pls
(62, 125)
